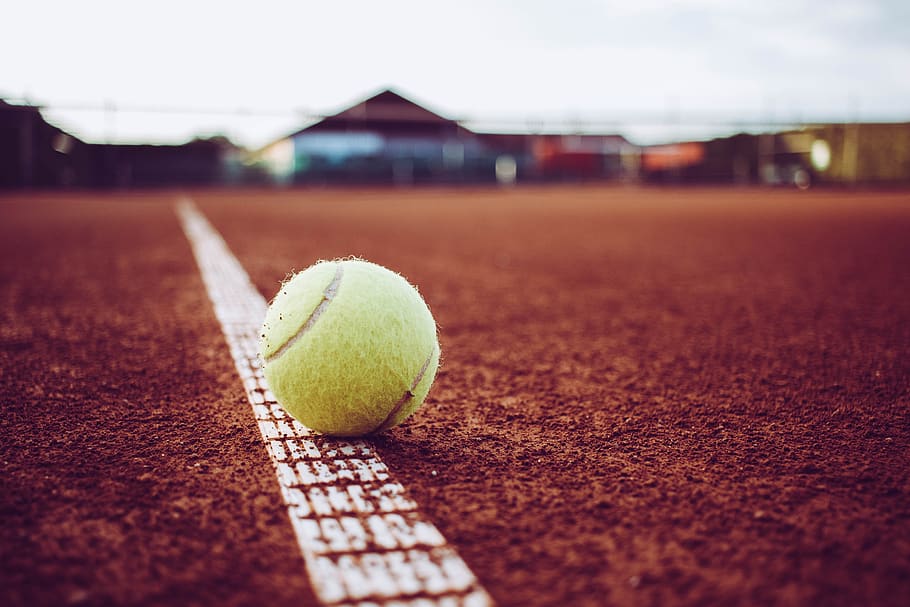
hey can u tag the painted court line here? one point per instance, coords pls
(363, 539)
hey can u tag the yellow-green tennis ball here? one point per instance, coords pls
(349, 347)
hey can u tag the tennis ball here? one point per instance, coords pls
(349, 347)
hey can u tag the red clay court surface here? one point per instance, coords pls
(647, 397)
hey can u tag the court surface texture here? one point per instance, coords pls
(647, 396)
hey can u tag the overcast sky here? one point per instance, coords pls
(516, 64)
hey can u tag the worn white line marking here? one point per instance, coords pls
(363, 539)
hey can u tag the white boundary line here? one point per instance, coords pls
(363, 540)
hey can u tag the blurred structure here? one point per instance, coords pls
(200, 162)
(573, 157)
(834, 154)
(384, 139)
(35, 154)
(390, 139)
(865, 153)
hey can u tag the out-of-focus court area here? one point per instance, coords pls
(648, 396)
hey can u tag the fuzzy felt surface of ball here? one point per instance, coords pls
(349, 347)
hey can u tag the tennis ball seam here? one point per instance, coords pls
(408, 394)
(327, 296)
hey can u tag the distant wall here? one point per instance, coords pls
(361, 155)
(35, 154)
(866, 153)
(197, 163)
(725, 160)
(827, 154)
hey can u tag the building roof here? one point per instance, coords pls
(389, 105)
(385, 111)
(390, 113)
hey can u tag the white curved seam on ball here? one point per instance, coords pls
(409, 393)
(327, 296)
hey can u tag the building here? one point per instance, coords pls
(200, 162)
(388, 138)
(833, 154)
(866, 153)
(383, 139)
(35, 154)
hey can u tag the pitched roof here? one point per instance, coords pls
(390, 112)
(388, 105)
(386, 109)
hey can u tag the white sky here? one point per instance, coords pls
(517, 63)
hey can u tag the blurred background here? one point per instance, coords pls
(101, 94)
